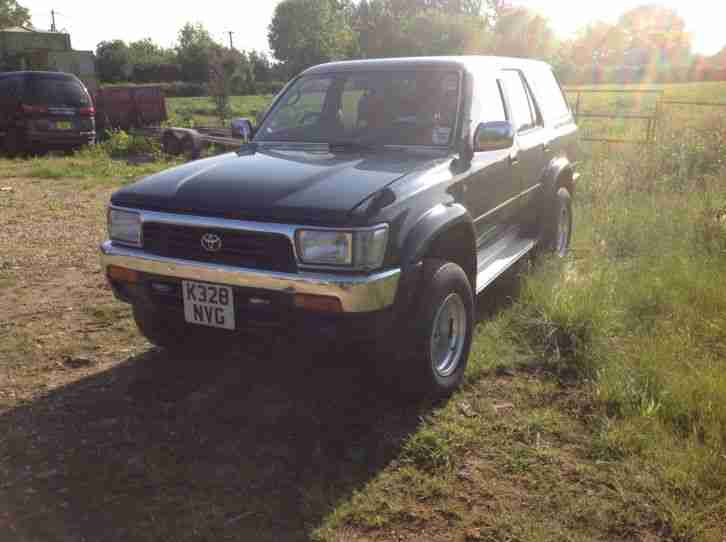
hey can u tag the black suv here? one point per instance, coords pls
(375, 200)
(44, 110)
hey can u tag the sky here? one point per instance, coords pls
(130, 20)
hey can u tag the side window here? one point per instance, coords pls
(520, 101)
(487, 103)
(550, 95)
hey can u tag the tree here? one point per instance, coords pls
(421, 27)
(151, 63)
(436, 32)
(112, 61)
(523, 33)
(308, 32)
(145, 52)
(655, 35)
(222, 66)
(193, 51)
(601, 44)
(13, 14)
(261, 66)
(378, 24)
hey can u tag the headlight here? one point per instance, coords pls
(124, 227)
(361, 249)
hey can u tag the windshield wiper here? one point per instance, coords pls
(353, 146)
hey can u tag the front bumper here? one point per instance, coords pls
(357, 293)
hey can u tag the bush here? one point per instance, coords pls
(151, 73)
(120, 144)
(181, 89)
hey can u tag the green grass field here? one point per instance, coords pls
(594, 406)
(201, 111)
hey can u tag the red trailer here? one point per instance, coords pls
(128, 107)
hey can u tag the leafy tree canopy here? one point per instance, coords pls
(13, 14)
(308, 32)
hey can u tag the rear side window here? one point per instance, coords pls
(487, 103)
(56, 92)
(519, 101)
(550, 96)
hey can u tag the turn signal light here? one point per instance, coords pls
(318, 303)
(87, 111)
(122, 274)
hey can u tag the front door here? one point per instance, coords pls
(492, 185)
(491, 192)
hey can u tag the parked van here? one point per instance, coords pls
(44, 110)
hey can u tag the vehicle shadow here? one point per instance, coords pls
(255, 444)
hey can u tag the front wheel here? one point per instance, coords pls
(443, 332)
(163, 330)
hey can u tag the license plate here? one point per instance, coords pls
(208, 305)
(63, 125)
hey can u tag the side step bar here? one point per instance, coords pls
(495, 259)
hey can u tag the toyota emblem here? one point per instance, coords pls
(211, 242)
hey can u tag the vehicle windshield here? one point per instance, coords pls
(56, 92)
(372, 108)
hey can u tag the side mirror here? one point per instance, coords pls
(493, 136)
(243, 128)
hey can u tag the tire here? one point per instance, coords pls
(189, 147)
(163, 330)
(558, 225)
(441, 333)
(171, 145)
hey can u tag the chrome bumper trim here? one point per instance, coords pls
(357, 293)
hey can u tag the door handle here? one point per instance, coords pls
(546, 147)
(514, 158)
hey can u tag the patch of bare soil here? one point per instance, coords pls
(54, 301)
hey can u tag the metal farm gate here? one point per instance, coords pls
(612, 112)
(650, 118)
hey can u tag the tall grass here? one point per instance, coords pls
(640, 311)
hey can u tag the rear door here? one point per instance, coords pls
(491, 188)
(532, 140)
(61, 98)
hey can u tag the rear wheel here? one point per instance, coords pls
(442, 335)
(558, 228)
